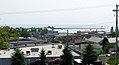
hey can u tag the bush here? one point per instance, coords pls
(111, 60)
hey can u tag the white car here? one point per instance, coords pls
(113, 53)
(107, 55)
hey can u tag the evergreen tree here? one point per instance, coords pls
(18, 58)
(67, 57)
(89, 55)
(111, 30)
(105, 45)
(42, 57)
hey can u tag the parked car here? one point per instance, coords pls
(113, 53)
(55, 61)
(107, 55)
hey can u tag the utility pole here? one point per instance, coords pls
(67, 36)
(67, 32)
(116, 45)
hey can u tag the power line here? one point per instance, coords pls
(55, 10)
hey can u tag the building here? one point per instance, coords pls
(31, 56)
(50, 35)
(23, 42)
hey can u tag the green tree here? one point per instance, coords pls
(111, 60)
(18, 58)
(23, 32)
(42, 57)
(89, 55)
(105, 45)
(4, 45)
(44, 31)
(6, 34)
(67, 56)
(33, 29)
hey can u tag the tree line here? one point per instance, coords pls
(28, 32)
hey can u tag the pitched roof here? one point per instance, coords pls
(95, 39)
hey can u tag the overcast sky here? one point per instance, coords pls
(82, 12)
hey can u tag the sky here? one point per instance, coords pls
(81, 12)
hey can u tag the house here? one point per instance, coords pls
(80, 44)
(95, 42)
(26, 42)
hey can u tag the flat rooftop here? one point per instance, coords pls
(56, 52)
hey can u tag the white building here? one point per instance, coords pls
(5, 55)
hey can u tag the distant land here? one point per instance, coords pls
(107, 27)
